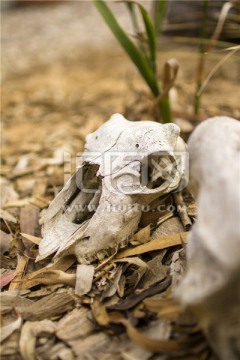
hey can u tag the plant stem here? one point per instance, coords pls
(201, 64)
(165, 110)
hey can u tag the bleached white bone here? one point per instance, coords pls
(211, 285)
(110, 177)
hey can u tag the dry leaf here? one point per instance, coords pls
(133, 260)
(5, 215)
(6, 278)
(99, 312)
(141, 236)
(17, 203)
(133, 300)
(21, 267)
(154, 274)
(29, 333)
(84, 279)
(53, 277)
(7, 330)
(36, 240)
(33, 279)
(155, 244)
(154, 345)
(112, 289)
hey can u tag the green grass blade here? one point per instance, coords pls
(131, 10)
(159, 12)
(133, 52)
(151, 35)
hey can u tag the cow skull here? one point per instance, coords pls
(125, 166)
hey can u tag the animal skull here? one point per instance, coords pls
(125, 165)
(211, 285)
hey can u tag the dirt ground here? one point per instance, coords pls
(63, 75)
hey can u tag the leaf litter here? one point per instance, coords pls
(117, 300)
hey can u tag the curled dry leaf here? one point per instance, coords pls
(99, 312)
(154, 345)
(30, 332)
(53, 277)
(133, 260)
(38, 276)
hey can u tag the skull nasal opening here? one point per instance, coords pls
(156, 169)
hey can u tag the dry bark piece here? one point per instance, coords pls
(29, 224)
(9, 299)
(91, 345)
(211, 285)
(5, 243)
(75, 325)
(50, 306)
(109, 188)
(84, 279)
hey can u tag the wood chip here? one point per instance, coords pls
(10, 299)
(76, 324)
(7, 330)
(5, 243)
(84, 279)
(50, 306)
